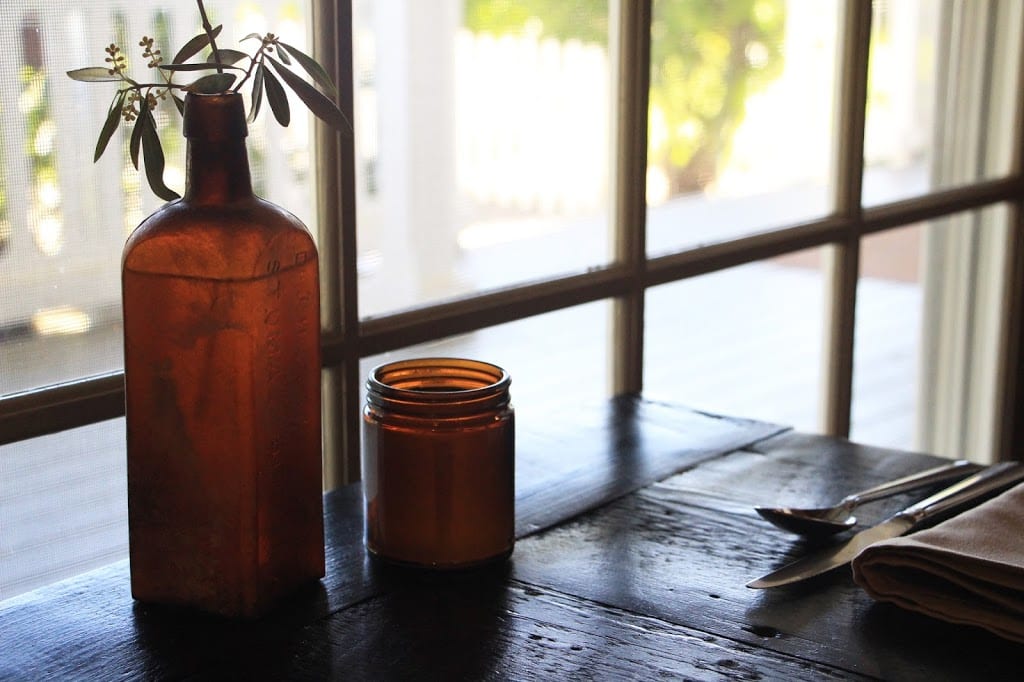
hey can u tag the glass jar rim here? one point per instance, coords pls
(438, 382)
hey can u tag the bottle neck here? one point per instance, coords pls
(217, 166)
(217, 171)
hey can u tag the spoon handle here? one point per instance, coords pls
(948, 472)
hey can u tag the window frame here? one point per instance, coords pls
(346, 339)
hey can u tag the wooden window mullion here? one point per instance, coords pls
(842, 260)
(631, 55)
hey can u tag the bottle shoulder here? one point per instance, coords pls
(231, 241)
(252, 215)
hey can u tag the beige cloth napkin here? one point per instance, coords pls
(968, 569)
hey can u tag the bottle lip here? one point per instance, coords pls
(438, 383)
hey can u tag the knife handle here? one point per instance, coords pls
(990, 480)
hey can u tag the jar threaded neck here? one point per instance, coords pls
(450, 386)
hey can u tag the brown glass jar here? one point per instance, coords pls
(439, 463)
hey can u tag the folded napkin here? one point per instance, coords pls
(968, 569)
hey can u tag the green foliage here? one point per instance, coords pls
(583, 20)
(707, 58)
(40, 149)
(134, 102)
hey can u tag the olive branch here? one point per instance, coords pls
(134, 101)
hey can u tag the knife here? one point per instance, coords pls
(992, 479)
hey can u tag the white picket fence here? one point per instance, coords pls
(532, 123)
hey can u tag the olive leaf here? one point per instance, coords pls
(277, 97)
(213, 84)
(321, 107)
(153, 155)
(311, 67)
(136, 139)
(94, 74)
(257, 93)
(110, 124)
(179, 103)
(227, 56)
(251, 36)
(193, 46)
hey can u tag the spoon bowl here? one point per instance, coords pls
(824, 521)
(811, 522)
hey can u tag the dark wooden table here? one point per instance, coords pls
(637, 537)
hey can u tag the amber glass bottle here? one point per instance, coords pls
(222, 384)
(439, 463)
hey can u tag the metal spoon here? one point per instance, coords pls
(828, 520)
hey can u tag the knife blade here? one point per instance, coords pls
(945, 502)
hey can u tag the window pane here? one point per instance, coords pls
(941, 95)
(557, 359)
(63, 505)
(64, 219)
(929, 309)
(887, 339)
(740, 122)
(744, 341)
(482, 145)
